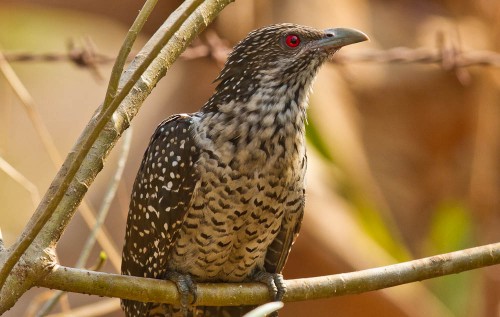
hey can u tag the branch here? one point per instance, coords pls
(101, 216)
(19, 178)
(98, 138)
(31, 109)
(231, 294)
(126, 48)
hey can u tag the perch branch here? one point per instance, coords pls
(213, 294)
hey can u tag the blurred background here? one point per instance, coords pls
(404, 158)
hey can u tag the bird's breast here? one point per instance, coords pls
(247, 169)
(236, 212)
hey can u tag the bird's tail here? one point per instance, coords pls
(165, 310)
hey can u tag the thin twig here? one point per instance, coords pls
(103, 236)
(132, 34)
(101, 260)
(21, 180)
(108, 198)
(29, 105)
(49, 304)
(2, 246)
(101, 216)
(37, 301)
(87, 56)
(101, 308)
(31, 109)
(264, 310)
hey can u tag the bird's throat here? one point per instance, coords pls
(265, 131)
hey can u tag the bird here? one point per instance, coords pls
(220, 193)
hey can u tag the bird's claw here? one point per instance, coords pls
(275, 283)
(186, 287)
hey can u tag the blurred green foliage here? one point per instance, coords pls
(368, 214)
(451, 229)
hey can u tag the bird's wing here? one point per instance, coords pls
(279, 249)
(160, 199)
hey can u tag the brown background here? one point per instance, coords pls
(410, 156)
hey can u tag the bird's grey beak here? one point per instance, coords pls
(339, 37)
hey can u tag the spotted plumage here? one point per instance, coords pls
(219, 196)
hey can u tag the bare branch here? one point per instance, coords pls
(108, 199)
(101, 216)
(214, 294)
(132, 34)
(41, 129)
(101, 308)
(20, 179)
(30, 107)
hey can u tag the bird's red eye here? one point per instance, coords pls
(292, 40)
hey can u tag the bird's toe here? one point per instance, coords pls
(275, 283)
(186, 287)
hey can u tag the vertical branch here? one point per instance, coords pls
(134, 30)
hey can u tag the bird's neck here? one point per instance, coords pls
(266, 127)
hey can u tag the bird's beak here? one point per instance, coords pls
(339, 37)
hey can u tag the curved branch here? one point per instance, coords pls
(230, 294)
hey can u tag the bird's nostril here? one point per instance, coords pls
(329, 35)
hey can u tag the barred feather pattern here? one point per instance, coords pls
(219, 195)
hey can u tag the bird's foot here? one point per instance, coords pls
(274, 281)
(186, 287)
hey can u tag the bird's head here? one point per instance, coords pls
(281, 54)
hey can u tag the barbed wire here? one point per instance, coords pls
(211, 45)
(406, 55)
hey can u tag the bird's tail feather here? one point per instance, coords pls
(165, 310)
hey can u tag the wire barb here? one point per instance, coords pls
(448, 54)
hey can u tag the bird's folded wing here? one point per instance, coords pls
(160, 200)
